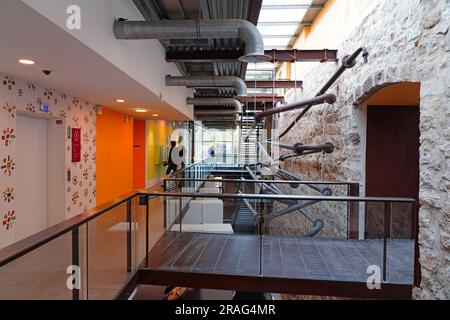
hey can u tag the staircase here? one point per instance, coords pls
(244, 221)
(248, 150)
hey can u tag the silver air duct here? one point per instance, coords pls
(196, 29)
(217, 102)
(209, 81)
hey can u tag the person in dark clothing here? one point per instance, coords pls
(171, 166)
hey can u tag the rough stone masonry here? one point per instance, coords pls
(408, 41)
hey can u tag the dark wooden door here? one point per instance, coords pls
(392, 165)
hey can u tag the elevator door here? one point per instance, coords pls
(31, 193)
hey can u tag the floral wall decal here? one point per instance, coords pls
(8, 195)
(8, 136)
(10, 108)
(17, 95)
(8, 166)
(9, 83)
(9, 219)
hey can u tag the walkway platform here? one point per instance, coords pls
(284, 265)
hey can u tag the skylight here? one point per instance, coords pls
(279, 21)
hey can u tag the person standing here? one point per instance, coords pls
(171, 166)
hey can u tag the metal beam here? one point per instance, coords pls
(291, 6)
(207, 56)
(284, 84)
(261, 99)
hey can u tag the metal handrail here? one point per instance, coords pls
(187, 168)
(265, 181)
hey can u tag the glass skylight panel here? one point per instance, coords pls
(276, 42)
(275, 30)
(275, 15)
(285, 2)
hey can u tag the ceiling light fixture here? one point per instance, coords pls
(26, 61)
(120, 100)
(141, 110)
(156, 115)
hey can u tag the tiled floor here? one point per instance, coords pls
(41, 274)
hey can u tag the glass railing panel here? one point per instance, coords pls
(40, 274)
(400, 245)
(109, 244)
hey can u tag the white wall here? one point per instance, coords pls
(143, 60)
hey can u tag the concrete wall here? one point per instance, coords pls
(408, 41)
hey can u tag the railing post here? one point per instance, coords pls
(76, 261)
(143, 201)
(129, 235)
(386, 236)
(165, 204)
(353, 212)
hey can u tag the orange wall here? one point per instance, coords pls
(114, 156)
(400, 94)
(139, 154)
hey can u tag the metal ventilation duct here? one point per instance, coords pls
(196, 29)
(209, 81)
(217, 102)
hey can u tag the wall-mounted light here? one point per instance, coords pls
(155, 115)
(26, 62)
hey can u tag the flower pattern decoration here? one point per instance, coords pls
(75, 197)
(31, 86)
(76, 120)
(11, 109)
(48, 93)
(30, 108)
(8, 195)
(62, 114)
(79, 196)
(8, 136)
(86, 174)
(8, 166)
(86, 137)
(9, 83)
(9, 219)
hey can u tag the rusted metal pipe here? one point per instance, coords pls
(348, 62)
(326, 98)
(325, 148)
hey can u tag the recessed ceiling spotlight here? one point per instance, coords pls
(120, 100)
(26, 61)
(141, 110)
(156, 115)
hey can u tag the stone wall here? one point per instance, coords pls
(408, 41)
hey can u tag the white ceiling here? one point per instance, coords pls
(76, 69)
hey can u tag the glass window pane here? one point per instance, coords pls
(275, 29)
(274, 15)
(276, 42)
(286, 2)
